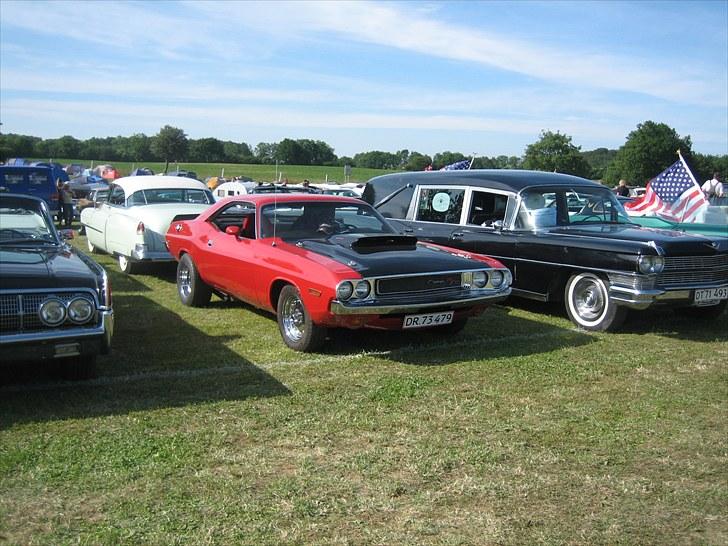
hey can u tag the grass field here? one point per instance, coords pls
(204, 429)
(264, 173)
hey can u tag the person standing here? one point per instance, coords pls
(622, 189)
(61, 206)
(713, 187)
(67, 198)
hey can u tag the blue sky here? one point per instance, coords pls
(479, 78)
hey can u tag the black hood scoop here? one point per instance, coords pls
(369, 244)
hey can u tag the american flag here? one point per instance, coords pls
(459, 166)
(673, 194)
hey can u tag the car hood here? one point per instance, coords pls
(377, 255)
(671, 241)
(57, 267)
(158, 217)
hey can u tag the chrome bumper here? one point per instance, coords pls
(105, 331)
(142, 253)
(642, 299)
(378, 308)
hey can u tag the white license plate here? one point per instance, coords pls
(427, 319)
(708, 296)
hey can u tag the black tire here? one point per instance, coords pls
(294, 322)
(79, 367)
(192, 290)
(128, 266)
(588, 305)
(709, 312)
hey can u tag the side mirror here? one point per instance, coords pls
(233, 230)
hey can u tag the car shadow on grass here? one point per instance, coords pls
(497, 333)
(158, 361)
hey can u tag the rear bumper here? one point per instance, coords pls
(142, 253)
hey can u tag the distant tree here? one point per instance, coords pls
(13, 145)
(483, 162)
(206, 150)
(377, 160)
(169, 144)
(508, 162)
(703, 166)
(265, 152)
(554, 152)
(599, 160)
(446, 158)
(317, 152)
(648, 151)
(417, 161)
(133, 148)
(97, 149)
(235, 152)
(65, 147)
(345, 160)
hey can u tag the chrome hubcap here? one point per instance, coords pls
(184, 281)
(589, 299)
(294, 319)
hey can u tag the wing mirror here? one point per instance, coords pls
(233, 230)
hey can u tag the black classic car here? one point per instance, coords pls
(564, 238)
(55, 302)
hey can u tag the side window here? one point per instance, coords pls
(487, 208)
(234, 215)
(13, 181)
(38, 179)
(440, 205)
(137, 198)
(116, 197)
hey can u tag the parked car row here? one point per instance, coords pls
(420, 250)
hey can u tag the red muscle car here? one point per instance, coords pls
(321, 261)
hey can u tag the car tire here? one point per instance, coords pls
(92, 248)
(192, 290)
(79, 367)
(708, 312)
(294, 322)
(589, 306)
(127, 266)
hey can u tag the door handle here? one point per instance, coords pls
(457, 236)
(209, 243)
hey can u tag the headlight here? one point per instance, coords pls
(362, 289)
(480, 279)
(651, 264)
(80, 310)
(344, 291)
(52, 312)
(496, 278)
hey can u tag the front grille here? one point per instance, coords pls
(685, 271)
(424, 284)
(19, 312)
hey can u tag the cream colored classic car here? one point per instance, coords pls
(132, 222)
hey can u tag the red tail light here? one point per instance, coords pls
(140, 228)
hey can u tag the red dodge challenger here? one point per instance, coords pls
(321, 261)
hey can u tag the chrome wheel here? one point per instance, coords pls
(588, 304)
(294, 318)
(192, 290)
(184, 281)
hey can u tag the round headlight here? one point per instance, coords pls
(80, 310)
(480, 279)
(362, 289)
(496, 278)
(344, 291)
(651, 264)
(52, 312)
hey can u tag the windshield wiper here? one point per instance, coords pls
(26, 240)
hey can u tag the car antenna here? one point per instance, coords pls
(275, 214)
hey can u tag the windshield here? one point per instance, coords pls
(311, 220)
(170, 195)
(24, 221)
(545, 207)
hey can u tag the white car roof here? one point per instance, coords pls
(130, 184)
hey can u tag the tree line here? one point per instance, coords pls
(648, 150)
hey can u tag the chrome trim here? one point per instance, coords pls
(156, 256)
(105, 329)
(642, 299)
(371, 307)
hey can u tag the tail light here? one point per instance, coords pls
(140, 228)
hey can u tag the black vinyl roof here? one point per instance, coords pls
(500, 179)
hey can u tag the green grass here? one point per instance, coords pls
(265, 173)
(204, 429)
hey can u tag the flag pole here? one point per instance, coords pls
(685, 165)
(471, 162)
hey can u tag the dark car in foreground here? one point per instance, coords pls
(564, 238)
(55, 302)
(322, 262)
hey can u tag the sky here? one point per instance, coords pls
(480, 78)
